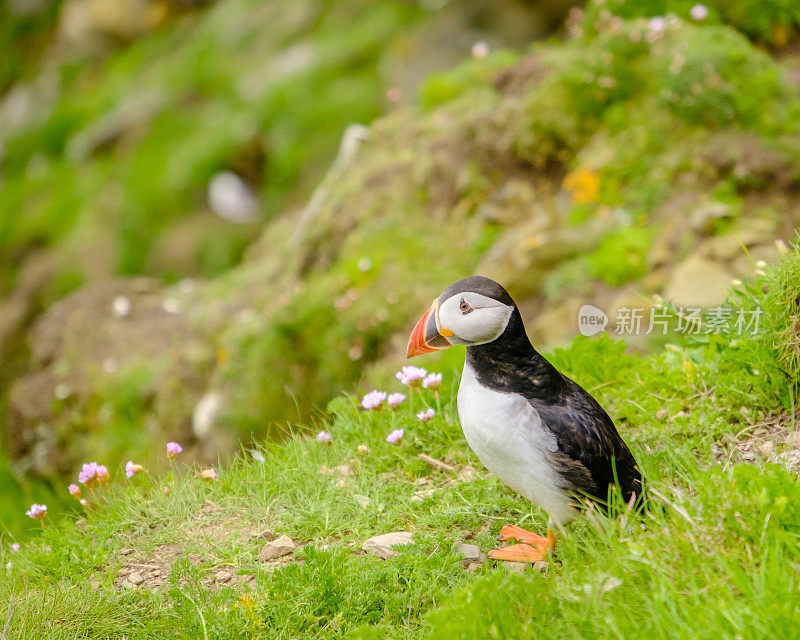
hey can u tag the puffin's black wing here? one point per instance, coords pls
(592, 454)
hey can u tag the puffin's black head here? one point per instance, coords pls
(472, 311)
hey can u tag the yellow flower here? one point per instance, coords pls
(583, 184)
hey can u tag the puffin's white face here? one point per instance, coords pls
(466, 317)
(473, 318)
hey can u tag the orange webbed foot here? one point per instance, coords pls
(530, 548)
(517, 553)
(519, 534)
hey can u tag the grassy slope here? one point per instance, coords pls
(716, 557)
(486, 132)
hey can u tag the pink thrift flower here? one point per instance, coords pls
(15, 547)
(657, 24)
(411, 376)
(480, 50)
(323, 436)
(209, 474)
(424, 416)
(395, 399)
(88, 474)
(173, 449)
(132, 469)
(75, 491)
(432, 381)
(102, 474)
(373, 400)
(699, 12)
(37, 512)
(395, 437)
(393, 94)
(84, 503)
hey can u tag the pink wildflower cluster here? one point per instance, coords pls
(411, 376)
(395, 437)
(432, 381)
(373, 400)
(37, 512)
(91, 475)
(132, 469)
(424, 416)
(209, 474)
(395, 399)
(173, 449)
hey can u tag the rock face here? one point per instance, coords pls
(381, 545)
(698, 282)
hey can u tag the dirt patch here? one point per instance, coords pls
(776, 439)
(209, 529)
(153, 571)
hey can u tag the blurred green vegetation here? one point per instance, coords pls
(773, 22)
(129, 146)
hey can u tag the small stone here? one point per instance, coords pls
(283, 546)
(766, 448)
(793, 440)
(81, 524)
(126, 551)
(419, 496)
(381, 545)
(363, 450)
(661, 414)
(541, 565)
(467, 474)
(266, 534)
(224, 576)
(470, 554)
(363, 501)
(136, 578)
(516, 567)
(473, 566)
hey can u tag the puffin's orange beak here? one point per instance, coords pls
(428, 334)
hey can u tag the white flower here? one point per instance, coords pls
(395, 399)
(480, 49)
(373, 400)
(657, 24)
(432, 381)
(699, 12)
(120, 306)
(231, 198)
(411, 376)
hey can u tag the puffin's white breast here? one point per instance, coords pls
(507, 435)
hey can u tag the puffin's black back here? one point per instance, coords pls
(591, 453)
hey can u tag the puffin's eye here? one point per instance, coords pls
(465, 307)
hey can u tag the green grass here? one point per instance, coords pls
(717, 555)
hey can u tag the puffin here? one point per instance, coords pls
(538, 431)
